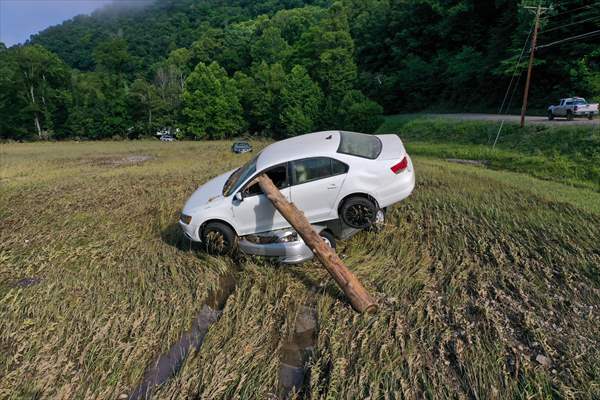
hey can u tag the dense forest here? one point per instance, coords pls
(212, 69)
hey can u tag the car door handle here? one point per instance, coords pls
(332, 186)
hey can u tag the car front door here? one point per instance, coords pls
(560, 110)
(255, 213)
(316, 184)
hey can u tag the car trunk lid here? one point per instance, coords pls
(391, 148)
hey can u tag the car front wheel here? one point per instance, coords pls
(550, 116)
(328, 239)
(219, 239)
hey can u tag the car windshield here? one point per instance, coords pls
(360, 145)
(239, 176)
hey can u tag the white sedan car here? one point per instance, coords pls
(342, 181)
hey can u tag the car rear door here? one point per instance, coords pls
(316, 184)
(255, 213)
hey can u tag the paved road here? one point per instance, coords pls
(517, 119)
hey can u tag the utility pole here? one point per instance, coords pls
(538, 13)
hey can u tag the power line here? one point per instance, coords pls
(570, 24)
(573, 10)
(563, 3)
(582, 36)
(516, 69)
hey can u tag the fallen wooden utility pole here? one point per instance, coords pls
(358, 295)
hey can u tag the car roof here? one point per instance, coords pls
(318, 144)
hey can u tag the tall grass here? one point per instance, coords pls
(478, 274)
(565, 154)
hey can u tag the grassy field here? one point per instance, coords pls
(489, 285)
(568, 154)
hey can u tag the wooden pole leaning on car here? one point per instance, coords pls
(358, 295)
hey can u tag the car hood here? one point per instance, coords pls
(208, 195)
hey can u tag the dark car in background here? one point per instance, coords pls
(167, 138)
(241, 147)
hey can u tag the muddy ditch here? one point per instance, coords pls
(27, 282)
(169, 363)
(296, 353)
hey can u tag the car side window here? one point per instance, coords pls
(312, 169)
(278, 175)
(338, 167)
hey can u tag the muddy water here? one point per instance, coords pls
(296, 353)
(169, 363)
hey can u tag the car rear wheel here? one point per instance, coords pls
(359, 212)
(219, 239)
(590, 116)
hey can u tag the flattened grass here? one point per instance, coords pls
(479, 273)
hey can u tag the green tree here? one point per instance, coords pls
(211, 106)
(208, 46)
(261, 96)
(169, 79)
(270, 47)
(359, 114)
(112, 56)
(34, 90)
(100, 109)
(237, 42)
(301, 101)
(144, 105)
(327, 51)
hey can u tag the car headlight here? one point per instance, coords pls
(186, 219)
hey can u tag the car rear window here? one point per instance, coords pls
(359, 145)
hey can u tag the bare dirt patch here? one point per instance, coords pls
(118, 161)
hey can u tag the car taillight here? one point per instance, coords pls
(401, 166)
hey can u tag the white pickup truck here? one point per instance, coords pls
(573, 107)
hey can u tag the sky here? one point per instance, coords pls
(21, 18)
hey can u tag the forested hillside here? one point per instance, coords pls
(220, 68)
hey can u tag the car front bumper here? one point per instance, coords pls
(287, 253)
(190, 231)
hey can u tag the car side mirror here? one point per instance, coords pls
(239, 196)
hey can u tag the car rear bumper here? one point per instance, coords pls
(402, 186)
(585, 113)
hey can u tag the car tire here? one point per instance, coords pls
(358, 212)
(569, 116)
(590, 116)
(550, 116)
(328, 239)
(219, 239)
